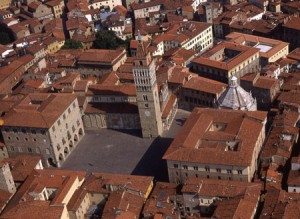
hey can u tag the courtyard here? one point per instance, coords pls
(124, 152)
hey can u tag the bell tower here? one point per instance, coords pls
(147, 93)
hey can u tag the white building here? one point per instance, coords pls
(122, 28)
(142, 10)
(294, 176)
(196, 3)
(189, 35)
(97, 4)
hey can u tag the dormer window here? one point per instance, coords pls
(218, 127)
(37, 102)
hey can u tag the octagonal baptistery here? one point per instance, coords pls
(236, 98)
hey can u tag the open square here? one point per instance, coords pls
(123, 152)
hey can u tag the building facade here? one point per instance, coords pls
(46, 124)
(225, 60)
(142, 10)
(217, 144)
(200, 92)
(270, 50)
(190, 35)
(99, 4)
(6, 179)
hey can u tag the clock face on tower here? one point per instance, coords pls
(147, 113)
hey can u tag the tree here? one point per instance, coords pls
(4, 38)
(72, 44)
(106, 39)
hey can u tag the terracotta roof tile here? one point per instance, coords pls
(81, 85)
(122, 204)
(169, 106)
(236, 194)
(163, 194)
(34, 210)
(205, 85)
(24, 203)
(295, 54)
(22, 166)
(41, 115)
(97, 181)
(109, 79)
(117, 90)
(241, 38)
(245, 53)
(100, 56)
(290, 98)
(292, 23)
(190, 145)
(4, 198)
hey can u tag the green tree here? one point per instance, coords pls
(4, 38)
(106, 39)
(72, 44)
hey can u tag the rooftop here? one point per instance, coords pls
(237, 199)
(268, 47)
(22, 165)
(292, 23)
(242, 53)
(26, 203)
(205, 85)
(205, 135)
(100, 56)
(39, 110)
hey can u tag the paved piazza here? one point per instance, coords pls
(124, 152)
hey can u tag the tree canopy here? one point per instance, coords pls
(106, 39)
(4, 38)
(72, 44)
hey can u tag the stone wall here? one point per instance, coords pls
(112, 121)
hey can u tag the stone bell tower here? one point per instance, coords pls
(147, 93)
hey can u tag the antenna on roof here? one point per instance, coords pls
(139, 36)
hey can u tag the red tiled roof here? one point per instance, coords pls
(292, 23)
(205, 85)
(246, 52)
(191, 144)
(41, 115)
(241, 38)
(169, 106)
(22, 166)
(117, 90)
(4, 198)
(100, 56)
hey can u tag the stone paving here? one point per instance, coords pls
(124, 152)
